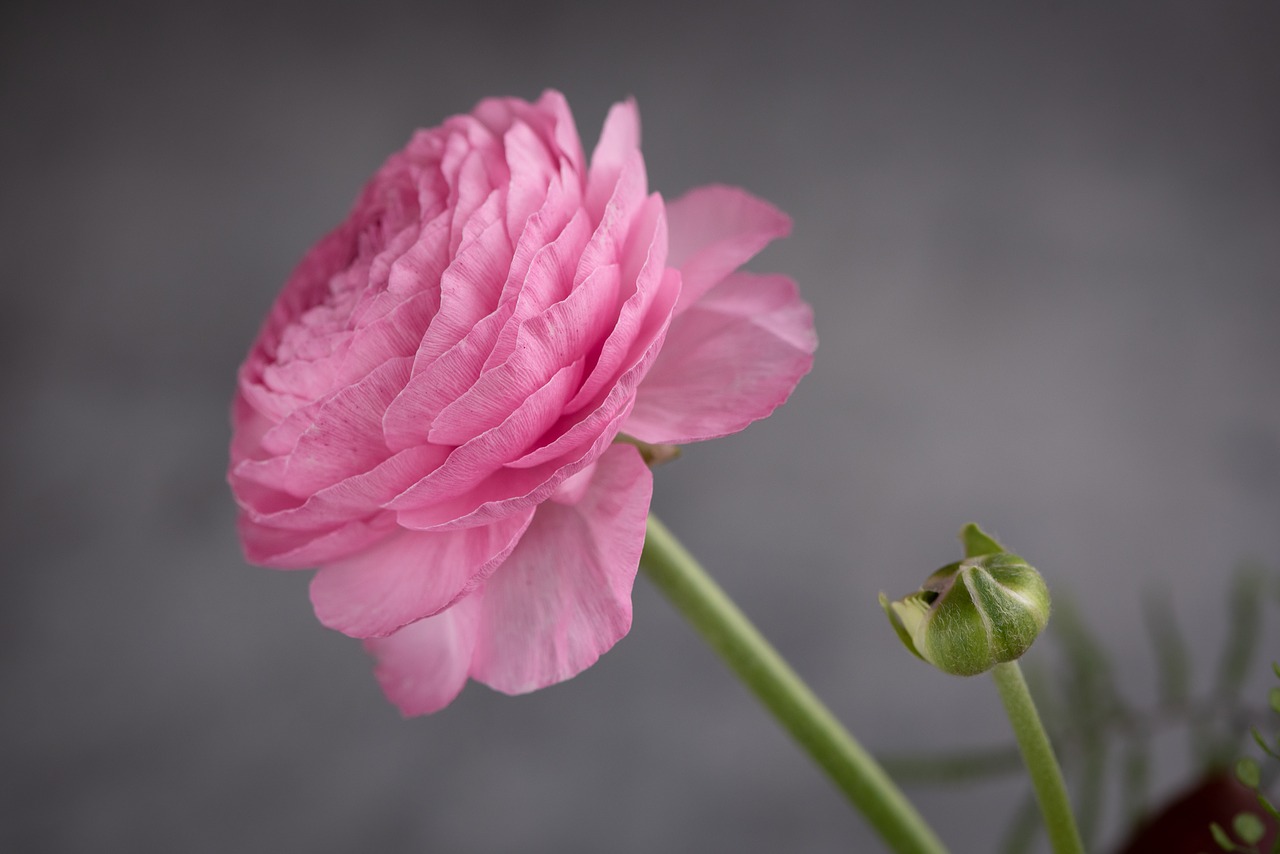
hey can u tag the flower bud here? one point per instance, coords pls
(974, 614)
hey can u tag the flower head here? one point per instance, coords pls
(428, 414)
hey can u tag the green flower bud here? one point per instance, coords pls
(971, 615)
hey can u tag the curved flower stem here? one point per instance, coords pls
(1037, 753)
(758, 664)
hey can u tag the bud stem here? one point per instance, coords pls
(727, 630)
(1037, 753)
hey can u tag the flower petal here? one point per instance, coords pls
(470, 464)
(564, 130)
(729, 360)
(644, 269)
(563, 597)
(556, 338)
(469, 286)
(423, 666)
(346, 434)
(619, 140)
(282, 548)
(410, 575)
(714, 230)
(510, 490)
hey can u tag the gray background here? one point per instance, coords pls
(1042, 246)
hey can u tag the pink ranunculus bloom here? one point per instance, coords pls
(428, 414)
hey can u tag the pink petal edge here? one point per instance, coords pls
(563, 598)
(714, 230)
(423, 667)
(731, 359)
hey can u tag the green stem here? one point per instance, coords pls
(687, 585)
(1037, 753)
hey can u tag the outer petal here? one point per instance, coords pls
(714, 230)
(564, 596)
(729, 360)
(423, 666)
(410, 575)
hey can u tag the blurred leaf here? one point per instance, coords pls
(1024, 828)
(955, 767)
(1092, 699)
(1137, 775)
(1274, 696)
(1248, 772)
(1248, 827)
(1262, 742)
(1087, 662)
(1270, 808)
(1172, 658)
(1093, 784)
(1220, 836)
(1244, 620)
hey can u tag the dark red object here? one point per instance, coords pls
(1183, 825)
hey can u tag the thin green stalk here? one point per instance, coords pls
(1037, 753)
(686, 584)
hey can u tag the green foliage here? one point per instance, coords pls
(1024, 828)
(1221, 837)
(1262, 742)
(1136, 777)
(958, 767)
(1248, 773)
(1248, 827)
(1173, 662)
(1092, 699)
(1244, 623)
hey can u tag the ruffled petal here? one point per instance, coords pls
(715, 230)
(619, 142)
(410, 575)
(469, 464)
(644, 275)
(423, 667)
(564, 130)
(346, 435)
(559, 336)
(281, 548)
(470, 285)
(510, 490)
(564, 596)
(729, 360)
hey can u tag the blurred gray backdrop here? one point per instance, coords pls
(1042, 242)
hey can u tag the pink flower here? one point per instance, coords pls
(428, 414)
